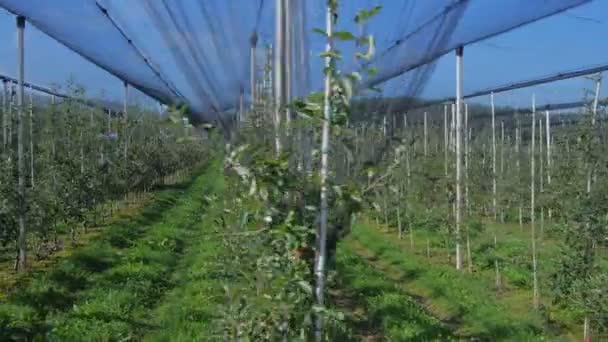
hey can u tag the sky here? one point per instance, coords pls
(560, 43)
(570, 40)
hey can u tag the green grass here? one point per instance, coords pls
(105, 291)
(190, 309)
(468, 302)
(388, 311)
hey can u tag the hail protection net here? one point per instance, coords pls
(200, 52)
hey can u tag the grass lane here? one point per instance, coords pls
(376, 308)
(104, 291)
(467, 303)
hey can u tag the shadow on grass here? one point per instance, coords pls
(23, 316)
(390, 312)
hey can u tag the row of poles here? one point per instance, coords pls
(20, 106)
(457, 116)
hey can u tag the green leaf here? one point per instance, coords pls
(372, 71)
(364, 15)
(304, 285)
(320, 31)
(343, 35)
(332, 54)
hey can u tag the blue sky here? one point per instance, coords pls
(566, 41)
(559, 43)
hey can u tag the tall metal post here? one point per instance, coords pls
(126, 121)
(31, 124)
(241, 105)
(4, 115)
(21, 241)
(445, 139)
(548, 137)
(459, 53)
(279, 77)
(596, 98)
(252, 57)
(325, 143)
(494, 200)
(426, 134)
(288, 60)
(535, 296)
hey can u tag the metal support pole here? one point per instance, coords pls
(126, 121)
(535, 299)
(4, 115)
(445, 140)
(459, 54)
(21, 241)
(548, 137)
(31, 127)
(596, 98)
(288, 61)
(425, 134)
(279, 78)
(325, 144)
(252, 56)
(241, 105)
(494, 195)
